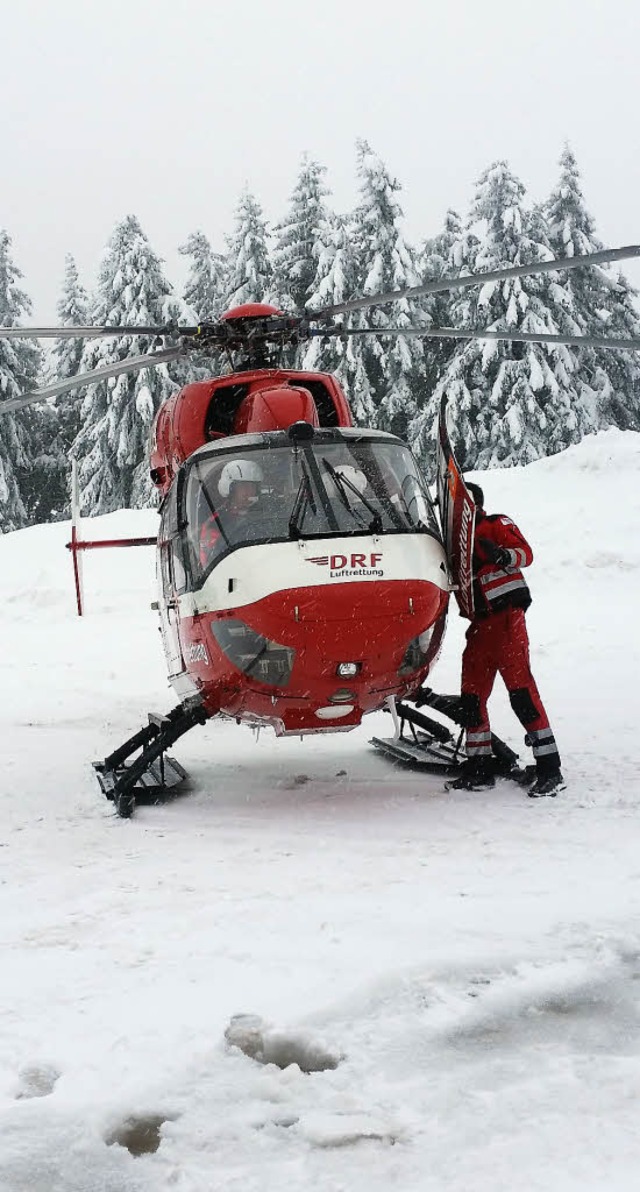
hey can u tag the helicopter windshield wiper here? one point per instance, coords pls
(304, 499)
(343, 483)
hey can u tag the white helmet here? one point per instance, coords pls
(353, 475)
(236, 470)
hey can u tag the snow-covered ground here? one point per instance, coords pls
(463, 968)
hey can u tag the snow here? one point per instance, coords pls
(458, 972)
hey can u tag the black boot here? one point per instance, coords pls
(548, 780)
(475, 774)
(551, 785)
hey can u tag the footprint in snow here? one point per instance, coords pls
(36, 1080)
(139, 1134)
(268, 1045)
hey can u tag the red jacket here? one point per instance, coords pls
(210, 533)
(499, 586)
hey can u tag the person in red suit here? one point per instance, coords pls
(239, 488)
(497, 642)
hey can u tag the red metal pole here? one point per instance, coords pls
(73, 547)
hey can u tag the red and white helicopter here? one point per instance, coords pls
(303, 574)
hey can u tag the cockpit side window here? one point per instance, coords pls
(175, 563)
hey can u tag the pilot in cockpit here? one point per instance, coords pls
(239, 492)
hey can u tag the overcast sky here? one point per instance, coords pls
(166, 110)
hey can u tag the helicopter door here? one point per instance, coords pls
(169, 619)
(171, 583)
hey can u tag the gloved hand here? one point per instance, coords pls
(494, 553)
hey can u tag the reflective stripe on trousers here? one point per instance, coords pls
(543, 742)
(478, 743)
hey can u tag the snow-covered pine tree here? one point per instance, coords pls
(117, 413)
(73, 311)
(621, 396)
(394, 367)
(19, 363)
(63, 416)
(597, 301)
(205, 297)
(247, 265)
(509, 403)
(44, 483)
(206, 287)
(294, 262)
(445, 255)
(336, 280)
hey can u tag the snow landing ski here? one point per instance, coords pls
(425, 743)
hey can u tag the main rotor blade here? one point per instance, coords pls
(133, 364)
(516, 337)
(477, 279)
(89, 332)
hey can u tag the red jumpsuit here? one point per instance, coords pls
(497, 641)
(209, 536)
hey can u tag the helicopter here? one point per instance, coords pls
(304, 571)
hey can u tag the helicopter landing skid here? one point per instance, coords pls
(152, 775)
(421, 752)
(430, 745)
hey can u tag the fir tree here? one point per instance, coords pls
(445, 255)
(621, 394)
(394, 366)
(206, 288)
(294, 262)
(19, 362)
(59, 423)
(510, 403)
(247, 265)
(596, 302)
(117, 413)
(205, 300)
(73, 311)
(336, 281)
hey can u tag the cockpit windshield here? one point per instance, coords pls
(276, 493)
